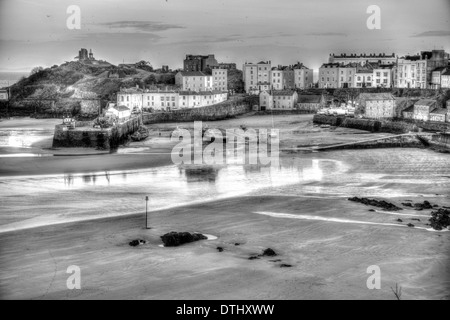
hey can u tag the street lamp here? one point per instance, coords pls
(146, 207)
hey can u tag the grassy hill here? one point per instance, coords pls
(77, 80)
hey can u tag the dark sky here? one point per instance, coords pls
(34, 32)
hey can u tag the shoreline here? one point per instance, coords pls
(198, 270)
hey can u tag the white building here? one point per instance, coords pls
(362, 59)
(131, 98)
(167, 100)
(194, 81)
(382, 76)
(411, 72)
(191, 99)
(363, 76)
(118, 112)
(445, 80)
(160, 100)
(257, 76)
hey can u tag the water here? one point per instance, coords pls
(41, 200)
(23, 138)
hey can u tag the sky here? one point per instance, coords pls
(35, 33)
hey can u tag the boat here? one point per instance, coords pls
(141, 134)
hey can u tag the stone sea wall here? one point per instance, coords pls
(224, 110)
(84, 135)
(389, 126)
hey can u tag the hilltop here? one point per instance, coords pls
(77, 80)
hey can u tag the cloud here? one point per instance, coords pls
(439, 33)
(142, 26)
(327, 34)
(239, 38)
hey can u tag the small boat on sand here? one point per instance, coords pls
(141, 134)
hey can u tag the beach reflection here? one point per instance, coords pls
(102, 194)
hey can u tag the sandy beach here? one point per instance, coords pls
(329, 260)
(84, 210)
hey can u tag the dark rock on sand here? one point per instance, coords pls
(410, 225)
(174, 239)
(423, 206)
(371, 210)
(136, 243)
(415, 219)
(399, 220)
(220, 249)
(376, 203)
(407, 204)
(253, 257)
(268, 253)
(440, 219)
(285, 265)
(237, 244)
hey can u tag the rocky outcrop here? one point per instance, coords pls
(174, 239)
(440, 219)
(137, 242)
(376, 203)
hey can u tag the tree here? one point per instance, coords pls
(36, 70)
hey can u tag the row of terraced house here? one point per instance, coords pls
(425, 70)
(385, 106)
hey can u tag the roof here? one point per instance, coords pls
(121, 108)
(203, 93)
(440, 69)
(402, 102)
(425, 102)
(309, 98)
(282, 93)
(446, 73)
(376, 96)
(440, 111)
(330, 65)
(192, 74)
(409, 109)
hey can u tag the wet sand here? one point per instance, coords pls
(329, 260)
(329, 241)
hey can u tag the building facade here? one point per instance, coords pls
(445, 80)
(363, 76)
(168, 100)
(378, 105)
(220, 79)
(194, 81)
(282, 78)
(257, 76)
(199, 62)
(278, 100)
(438, 115)
(328, 75)
(436, 75)
(303, 77)
(310, 103)
(411, 72)
(362, 59)
(422, 109)
(382, 76)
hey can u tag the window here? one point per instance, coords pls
(122, 98)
